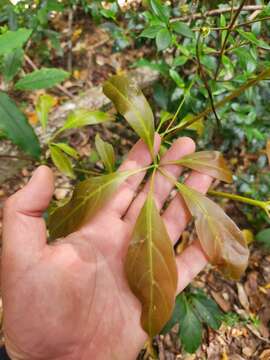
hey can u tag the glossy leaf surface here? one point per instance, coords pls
(220, 238)
(106, 153)
(83, 117)
(88, 198)
(151, 269)
(61, 161)
(131, 103)
(14, 125)
(211, 163)
(42, 79)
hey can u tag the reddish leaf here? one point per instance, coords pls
(221, 240)
(151, 269)
(211, 163)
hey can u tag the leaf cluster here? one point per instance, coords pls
(150, 262)
(193, 310)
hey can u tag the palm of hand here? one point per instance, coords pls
(71, 300)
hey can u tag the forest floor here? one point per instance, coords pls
(245, 332)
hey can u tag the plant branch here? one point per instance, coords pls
(202, 75)
(230, 28)
(215, 12)
(252, 82)
(264, 205)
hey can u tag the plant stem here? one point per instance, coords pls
(180, 105)
(230, 28)
(262, 76)
(215, 12)
(264, 205)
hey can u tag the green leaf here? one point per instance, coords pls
(67, 149)
(42, 79)
(162, 67)
(182, 29)
(175, 318)
(207, 310)
(179, 60)
(253, 39)
(151, 269)
(44, 104)
(163, 39)
(263, 237)
(11, 40)
(211, 163)
(220, 238)
(131, 103)
(160, 10)
(190, 326)
(83, 117)
(61, 161)
(15, 126)
(106, 153)
(88, 198)
(176, 78)
(12, 63)
(151, 31)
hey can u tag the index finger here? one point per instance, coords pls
(138, 157)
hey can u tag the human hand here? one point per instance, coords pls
(70, 300)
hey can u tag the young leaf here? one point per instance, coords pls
(106, 153)
(221, 240)
(163, 39)
(16, 127)
(211, 163)
(42, 79)
(83, 117)
(61, 161)
(11, 40)
(44, 104)
(12, 63)
(151, 269)
(131, 103)
(182, 29)
(88, 198)
(67, 149)
(190, 326)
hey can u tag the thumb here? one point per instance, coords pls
(24, 230)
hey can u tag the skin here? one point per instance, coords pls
(70, 300)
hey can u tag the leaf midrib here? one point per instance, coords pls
(134, 107)
(87, 198)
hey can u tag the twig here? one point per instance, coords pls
(59, 87)
(252, 82)
(230, 28)
(202, 75)
(215, 12)
(16, 157)
(69, 34)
